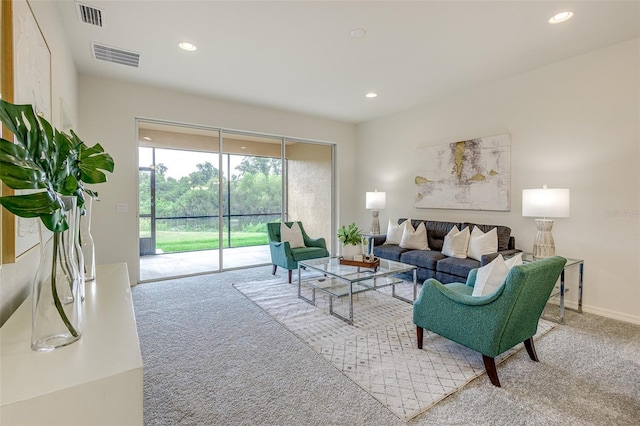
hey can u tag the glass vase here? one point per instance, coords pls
(86, 241)
(57, 306)
(78, 253)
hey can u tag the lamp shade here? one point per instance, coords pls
(546, 202)
(376, 200)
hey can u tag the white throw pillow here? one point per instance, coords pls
(514, 261)
(456, 243)
(490, 277)
(481, 243)
(395, 231)
(415, 239)
(293, 235)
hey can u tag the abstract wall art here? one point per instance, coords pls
(473, 174)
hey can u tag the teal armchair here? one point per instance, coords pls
(284, 256)
(493, 323)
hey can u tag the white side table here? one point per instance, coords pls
(97, 380)
(562, 290)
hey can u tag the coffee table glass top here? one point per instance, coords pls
(346, 280)
(332, 266)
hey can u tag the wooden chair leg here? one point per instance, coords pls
(275, 268)
(531, 349)
(419, 333)
(290, 271)
(490, 366)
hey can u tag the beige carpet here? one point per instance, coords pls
(379, 351)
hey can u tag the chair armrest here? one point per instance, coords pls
(281, 249)
(458, 297)
(281, 245)
(315, 242)
(379, 240)
(488, 258)
(471, 278)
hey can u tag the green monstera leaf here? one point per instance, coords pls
(48, 161)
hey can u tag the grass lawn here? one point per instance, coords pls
(177, 241)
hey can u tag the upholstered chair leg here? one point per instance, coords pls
(531, 350)
(490, 366)
(290, 271)
(275, 268)
(419, 333)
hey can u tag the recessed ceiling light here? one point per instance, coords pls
(358, 32)
(185, 45)
(146, 138)
(371, 95)
(561, 17)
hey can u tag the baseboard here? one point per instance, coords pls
(569, 304)
(633, 319)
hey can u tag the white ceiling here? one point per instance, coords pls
(300, 56)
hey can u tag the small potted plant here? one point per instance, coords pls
(351, 239)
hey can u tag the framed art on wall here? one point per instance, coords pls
(32, 85)
(7, 220)
(473, 174)
(26, 79)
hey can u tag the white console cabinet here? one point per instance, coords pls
(94, 381)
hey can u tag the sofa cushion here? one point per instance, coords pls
(422, 258)
(436, 231)
(504, 232)
(455, 266)
(389, 251)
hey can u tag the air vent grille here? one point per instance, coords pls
(117, 56)
(90, 15)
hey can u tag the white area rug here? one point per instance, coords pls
(379, 352)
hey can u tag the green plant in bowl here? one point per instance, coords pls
(350, 235)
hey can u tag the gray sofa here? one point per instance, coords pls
(432, 263)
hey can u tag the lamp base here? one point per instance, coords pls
(375, 223)
(543, 245)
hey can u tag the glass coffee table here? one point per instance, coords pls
(339, 280)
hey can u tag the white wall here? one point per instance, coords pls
(15, 279)
(573, 124)
(107, 113)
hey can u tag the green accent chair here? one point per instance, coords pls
(493, 323)
(284, 256)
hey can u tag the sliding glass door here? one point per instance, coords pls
(206, 195)
(252, 170)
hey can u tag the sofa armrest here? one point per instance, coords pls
(378, 240)
(487, 258)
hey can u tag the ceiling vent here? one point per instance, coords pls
(117, 56)
(90, 15)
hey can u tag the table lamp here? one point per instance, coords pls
(375, 201)
(545, 202)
